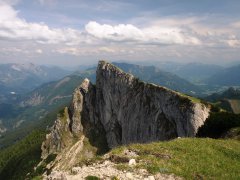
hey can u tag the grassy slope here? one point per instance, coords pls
(190, 158)
(19, 159)
(10, 138)
(35, 115)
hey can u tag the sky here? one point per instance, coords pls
(75, 32)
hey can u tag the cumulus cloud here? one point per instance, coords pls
(118, 33)
(107, 49)
(69, 50)
(160, 32)
(129, 32)
(169, 32)
(39, 51)
(233, 43)
(14, 28)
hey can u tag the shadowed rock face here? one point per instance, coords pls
(134, 111)
(131, 111)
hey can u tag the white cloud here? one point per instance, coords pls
(118, 33)
(160, 32)
(129, 32)
(14, 28)
(7, 13)
(107, 49)
(233, 43)
(39, 51)
(69, 50)
(13, 51)
(162, 38)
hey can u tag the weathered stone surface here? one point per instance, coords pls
(56, 175)
(133, 111)
(68, 124)
(107, 170)
(59, 137)
(126, 110)
(132, 162)
(76, 108)
(75, 136)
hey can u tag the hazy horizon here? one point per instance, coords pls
(85, 65)
(78, 32)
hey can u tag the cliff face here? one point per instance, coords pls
(126, 110)
(134, 111)
(68, 125)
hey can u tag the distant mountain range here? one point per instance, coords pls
(31, 100)
(155, 75)
(226, 77)
(30, 108)
(118, 110)
(209, 74)
(193, 72)
(210, 78)
(231, 93)
(22, 78)
(36, 105)
(192, 78)
(229, 100)
(151, 74)
(196, 72)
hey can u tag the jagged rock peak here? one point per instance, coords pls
(108, 66)
(68, 124)
(85, 84)
(106, 69)
(134, 111)
(122, 109)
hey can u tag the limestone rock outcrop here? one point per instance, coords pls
(134, 111)
(68, 126)
(126, 110)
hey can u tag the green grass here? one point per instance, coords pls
(194, 99)
(190, 158)
(92, 178)
(191, 98)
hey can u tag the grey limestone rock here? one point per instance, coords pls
(129, 110)
(133, 111)
(76, 108)
(68, 124)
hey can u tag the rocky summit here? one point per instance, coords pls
(132, 111)
(120, 109)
